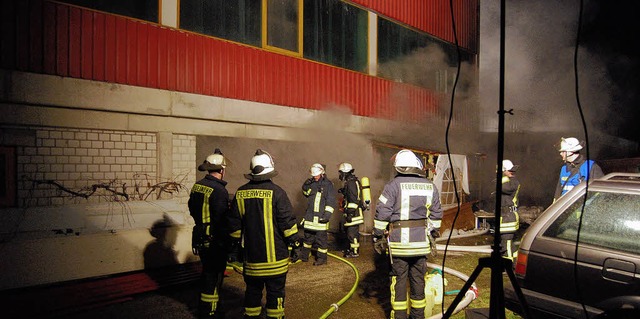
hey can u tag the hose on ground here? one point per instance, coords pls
(469, 296)
(334, 307)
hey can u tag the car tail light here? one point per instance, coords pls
(521, 263)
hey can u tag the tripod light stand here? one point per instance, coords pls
(496, 262)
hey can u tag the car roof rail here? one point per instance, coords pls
(622, 177)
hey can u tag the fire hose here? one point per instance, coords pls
(334, 307)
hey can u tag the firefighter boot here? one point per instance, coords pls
(304, 254)
(321, 257)
(320, 262)
(205, 311)
(351, 253)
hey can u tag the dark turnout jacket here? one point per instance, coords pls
(262, 215)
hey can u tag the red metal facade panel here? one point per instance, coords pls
(62, 41)
(75, 18)
(99, 41)
(81, 43)
(22, 37)
(86, 40)
(433, 17)
(35, 36)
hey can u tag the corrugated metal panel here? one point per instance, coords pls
(68, 41)
(433, 17)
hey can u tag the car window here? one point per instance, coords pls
(611, 220)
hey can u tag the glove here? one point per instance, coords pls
(309, 181)
(380, 245)
(324, 218)
(234, 251)
(350, 213)
(435, 233)
(199, 239)
(296, 245)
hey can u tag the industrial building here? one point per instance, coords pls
(109, 106)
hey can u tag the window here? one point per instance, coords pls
(239, 20)
(283, 23)
(610, 220)
(335, 33)
(140, 9)
(7, 176)
(409, 56)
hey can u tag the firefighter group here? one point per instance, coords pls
(259, 232)
(259, 229)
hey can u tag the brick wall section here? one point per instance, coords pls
(61, 161)
(184, 159)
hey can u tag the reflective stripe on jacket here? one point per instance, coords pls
(352, 192)
(321, 200)
(408, 197)
(509, 219)
(262, 210)
(209, 206)
(568, 180)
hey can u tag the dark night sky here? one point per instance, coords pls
(540, 71)
(611, 29)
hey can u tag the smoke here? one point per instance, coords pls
(540, 87)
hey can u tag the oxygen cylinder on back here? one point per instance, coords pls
(366, 191)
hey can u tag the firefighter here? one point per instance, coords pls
(352, 207)
(576, 168)
(209, 207)
(509, 219)
(262, 219)
(321, 200)
(409, 211)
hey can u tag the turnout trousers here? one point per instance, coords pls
(214, 263)
(414, 269)
(275, 296)
(316, 239)
(509, 224)
(353, 235)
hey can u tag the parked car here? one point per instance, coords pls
(605, 279)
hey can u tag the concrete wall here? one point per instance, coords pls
(138, 148)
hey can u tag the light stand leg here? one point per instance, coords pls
(497, 264)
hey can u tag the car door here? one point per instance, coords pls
(608, 256)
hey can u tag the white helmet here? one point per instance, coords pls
(507, 165)
(214, 162)
(569, 144)
(406, 158)
(345, 167)
(261, 163)
(316, 169)
(406, 162)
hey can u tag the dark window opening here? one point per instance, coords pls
(239, 21)
(140, 9)
(335, 33)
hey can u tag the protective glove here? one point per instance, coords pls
(324, 218)
(199, 239)
(435, 233)
(296, 245)
(350, 213)
(380, 245)
(234, 251)
(309, 181)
